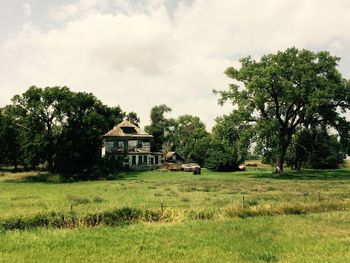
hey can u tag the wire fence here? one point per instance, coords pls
(243, 200)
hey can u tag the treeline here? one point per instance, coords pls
(223, 149)
(61, 131)
(289, 108)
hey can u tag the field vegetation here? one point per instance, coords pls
(163, 216)
(247, 216)
(219, 194)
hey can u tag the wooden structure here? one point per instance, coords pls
(174, 157)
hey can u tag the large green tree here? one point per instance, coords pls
(229, 144)
(190, 137)
(40, 112)
(60, 128)
(283, 91)
(160, 127)
(79, 144)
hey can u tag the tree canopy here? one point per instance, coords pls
(159, 126)
(286, 90)
(190, 138)
(56, 127)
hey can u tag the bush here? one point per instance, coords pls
(221, 157)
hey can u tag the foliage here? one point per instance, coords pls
(221, 156)
(56, 127)
(11, 152)
(284, 91)
(133, 118)
(159, 126)
(80, 141)
(40, 111)
(190, 139)
(316, 148)
(229, 144)
(327, 152)
(301, 148)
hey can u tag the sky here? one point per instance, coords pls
(142, 53)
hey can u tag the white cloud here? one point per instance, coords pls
(141, 55)
(27, 9)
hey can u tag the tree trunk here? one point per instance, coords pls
(281, 157)
(280, 162)
(299, 165)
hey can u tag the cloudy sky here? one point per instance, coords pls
(141, 53)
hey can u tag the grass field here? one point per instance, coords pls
(279, 220)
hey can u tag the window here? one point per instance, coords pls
(139, 143)
(133, 161)
(120, 146)
(128, 130)
(152, 161)
(144, 159)
(132, 145)
(156, 159)
(140, 160)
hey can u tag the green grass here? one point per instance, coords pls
(308, 238)
(178, 217)
(22, 194)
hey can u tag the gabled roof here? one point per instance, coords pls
(127, 129)
(170, 154)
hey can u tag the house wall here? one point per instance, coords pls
(121, 145)
(127, 147)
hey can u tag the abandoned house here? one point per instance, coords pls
(174, 157)
(131, 143)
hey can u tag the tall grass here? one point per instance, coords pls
(126, 215)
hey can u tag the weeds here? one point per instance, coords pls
(78, 200)
(128, 215)
(98, 199)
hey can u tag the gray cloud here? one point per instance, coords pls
(27, 9)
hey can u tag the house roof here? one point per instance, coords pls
(170, 154)
(127, 129)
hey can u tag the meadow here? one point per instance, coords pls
(248, 216)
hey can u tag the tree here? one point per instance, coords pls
(327, 152)
(284, 91)
(133, 118)
(39, 112)
(301, 148)
(10, 138)
(229, 144)
(79, 145)
(189, 138)
(60, 128)
(159, 126)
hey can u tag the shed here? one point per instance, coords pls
(174, 157)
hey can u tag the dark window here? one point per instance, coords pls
(156, 160)
(128, 130)
(152, 160)
(140, 160)
(139, 144)
(145, 159)
(133, 160)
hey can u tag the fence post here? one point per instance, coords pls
(243, 204)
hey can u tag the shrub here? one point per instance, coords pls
(221, 157)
